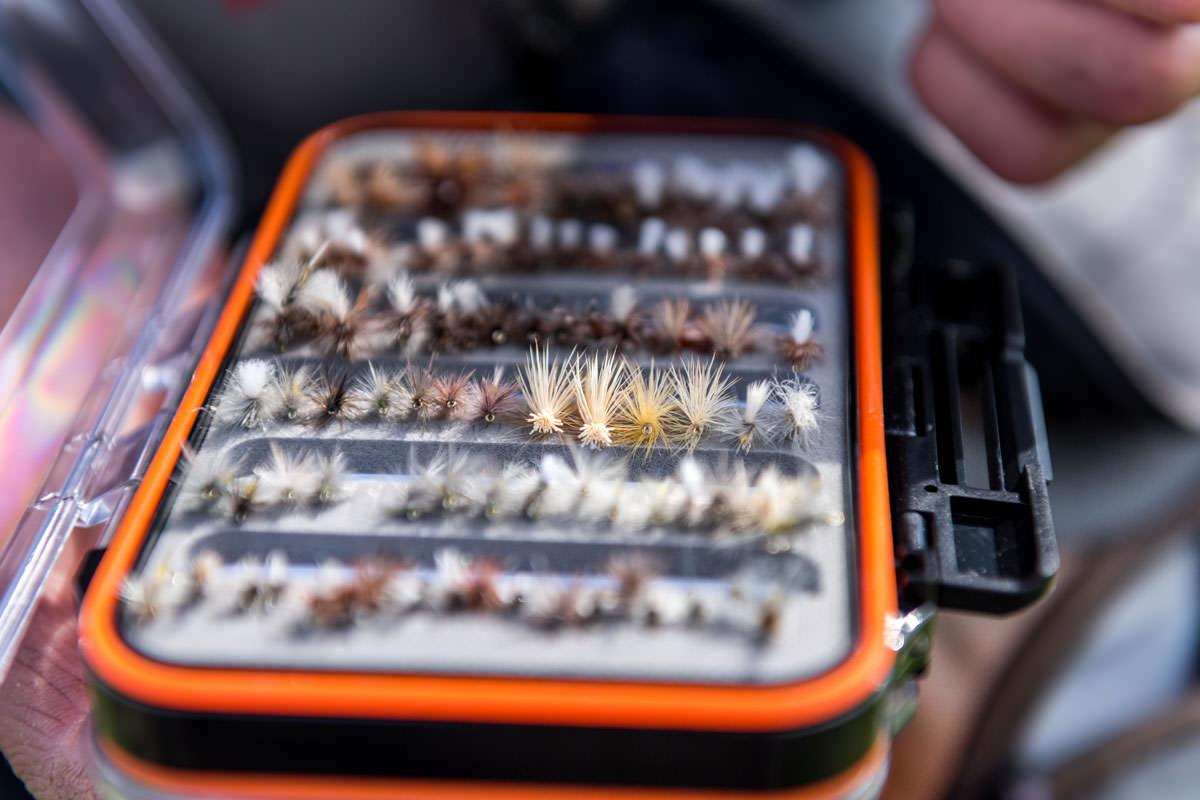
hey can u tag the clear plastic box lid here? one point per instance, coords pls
(119, 192)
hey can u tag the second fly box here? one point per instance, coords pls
(529, 452)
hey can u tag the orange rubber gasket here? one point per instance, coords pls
(269, 786)
(521, 700)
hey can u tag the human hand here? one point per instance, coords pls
(1033, 86)
(44, 720)
(43, 699)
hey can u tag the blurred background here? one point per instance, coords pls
(1089, 694)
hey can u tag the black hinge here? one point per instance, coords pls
(967, 455)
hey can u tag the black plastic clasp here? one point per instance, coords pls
(86, 571)
(967, 455)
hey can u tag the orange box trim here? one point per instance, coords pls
(184, 783)
(596, 703)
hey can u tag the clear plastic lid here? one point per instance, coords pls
(121, 188)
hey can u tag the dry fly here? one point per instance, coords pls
(376, 394)
(348, 247)
(450, 392)
(750, 427)
(476, 589)
(209, 478)
(348, 336)
(244, 500)
(423, 394)
(671, 317)
(386, 186)
(277, 286)
(452, 176)
(199, 576)
(342, 322)
(365, 592)
(730, 327)
(623, 303)
(288, 394)
(599, 385)
(261, 585)
(546, 384)
(769, 615)
(331, 470)
(345, 180)
(143, 595)
(648, 408)
(798, 346)
(324, 293)
(492, 400)
(633, 573)
(408, 322)
(285, 479)
(798, 400)
(333, 400)
(703, 392)
(246, 397)
(402, 294)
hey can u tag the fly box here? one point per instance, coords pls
(539, 455)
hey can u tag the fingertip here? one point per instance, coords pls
(1159, 73)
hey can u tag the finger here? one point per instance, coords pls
(44, 729)
(1168, 12)
(1081, 58)
(1016, 136)
(44, 708)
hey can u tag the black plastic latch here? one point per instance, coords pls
(87, 570)
(967, 455)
